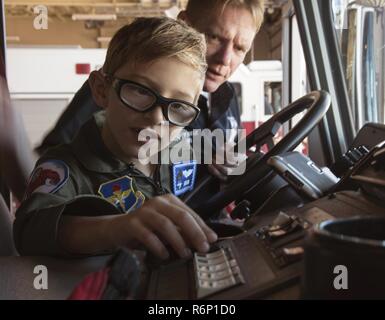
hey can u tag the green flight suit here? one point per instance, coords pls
(82, 178)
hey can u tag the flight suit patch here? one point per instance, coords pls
(48, 177)
(120, 192)
(183, 177)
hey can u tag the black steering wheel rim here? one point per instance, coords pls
(316, 103)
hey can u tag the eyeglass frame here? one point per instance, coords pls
(161, 101)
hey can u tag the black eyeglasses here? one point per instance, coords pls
(141, 98)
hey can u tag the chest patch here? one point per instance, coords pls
(120, 192)
(183, 177)
(48, 177)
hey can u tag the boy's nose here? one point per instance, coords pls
(155, 115)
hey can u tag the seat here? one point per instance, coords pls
(7, 247)
(16, 161)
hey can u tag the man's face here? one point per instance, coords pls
(229, 36)
(168, 77)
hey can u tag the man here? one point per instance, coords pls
(230, 28)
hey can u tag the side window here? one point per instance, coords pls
(258, 90)
(273, 97)
(360, 27)
(295, 83)
(298, 72)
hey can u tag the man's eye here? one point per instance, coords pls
(212, 37)
(240, 49)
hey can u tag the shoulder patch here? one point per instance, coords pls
(120, 192)
(48, 177)
(183, 177)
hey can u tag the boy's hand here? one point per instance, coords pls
(164, 220)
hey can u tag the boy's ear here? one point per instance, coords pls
(183, 16)
(99, 88)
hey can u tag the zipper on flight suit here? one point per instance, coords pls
(155, 182)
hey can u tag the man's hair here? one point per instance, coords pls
(196, 8)
(148, 39)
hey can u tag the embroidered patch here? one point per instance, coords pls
(120, 192)
(48, 177)
(183, 177)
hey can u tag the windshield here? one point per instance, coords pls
(360, 27)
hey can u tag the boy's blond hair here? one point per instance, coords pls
(196, 9)
(148, 39)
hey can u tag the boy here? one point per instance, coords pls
(94, 195)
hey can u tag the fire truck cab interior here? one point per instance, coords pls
(286, 234)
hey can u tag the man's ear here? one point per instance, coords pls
(99, 88)
(183, 16)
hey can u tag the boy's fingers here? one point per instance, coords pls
(189, 228)
(210, 234)
(169, 233)
(150, 241)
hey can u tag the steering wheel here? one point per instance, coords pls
(316, 103)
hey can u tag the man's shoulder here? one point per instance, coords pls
(226, 103)
(225, 97)
(225, 88)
